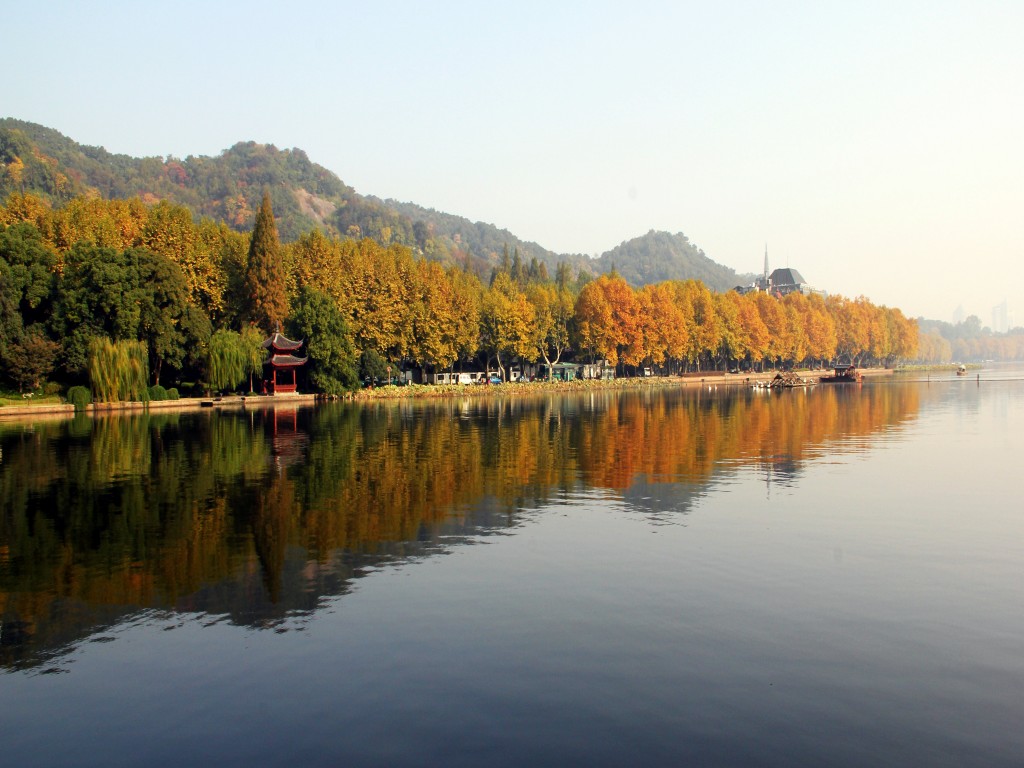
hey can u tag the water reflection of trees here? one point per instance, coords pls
(258, 514)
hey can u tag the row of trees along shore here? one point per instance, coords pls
(199, 297)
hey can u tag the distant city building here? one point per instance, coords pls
(1000, 318)
(780, 282)
(958, 315)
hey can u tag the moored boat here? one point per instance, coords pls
(844, 374)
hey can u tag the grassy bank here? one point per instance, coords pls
(9, 400)
(715, 378)
(576, 385)
(945, 367)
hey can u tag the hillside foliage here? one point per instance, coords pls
(305, 196)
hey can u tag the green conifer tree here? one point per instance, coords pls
(265, 279)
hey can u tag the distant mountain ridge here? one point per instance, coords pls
(305, 195)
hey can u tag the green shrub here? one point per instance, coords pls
(79, 397)
(172, 394)
(157, 392)
(52, 388)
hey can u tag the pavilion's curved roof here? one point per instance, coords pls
(279, 341)
(286, 361)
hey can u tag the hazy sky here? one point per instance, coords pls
(878, 147)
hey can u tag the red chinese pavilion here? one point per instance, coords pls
(279, 370)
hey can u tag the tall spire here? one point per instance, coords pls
(766, 262)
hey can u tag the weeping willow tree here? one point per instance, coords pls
(118, 370)
(226, 361)
(252, 348)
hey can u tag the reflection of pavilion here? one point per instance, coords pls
(288, 442)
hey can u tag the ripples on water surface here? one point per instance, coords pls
(830, 576)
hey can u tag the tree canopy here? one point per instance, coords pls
(128, 271)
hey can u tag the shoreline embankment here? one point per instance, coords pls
(412, 391)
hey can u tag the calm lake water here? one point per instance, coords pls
(831, 576)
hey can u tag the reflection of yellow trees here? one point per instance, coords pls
(678, 435)
(272, 523)
(146, 511)
(407, 467)
(195, 552)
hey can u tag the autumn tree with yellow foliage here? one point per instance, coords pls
(506, 322)
(553, 312)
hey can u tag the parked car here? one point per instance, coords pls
(489, 380)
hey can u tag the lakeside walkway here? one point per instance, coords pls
(66, 410)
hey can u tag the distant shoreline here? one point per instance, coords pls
(922, 368)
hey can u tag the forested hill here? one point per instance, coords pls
(483, 238)
(228, 187)
(659, 256)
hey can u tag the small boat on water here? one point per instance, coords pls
(961, 370)
(844, 374)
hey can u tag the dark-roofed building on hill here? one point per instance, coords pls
(783, 281)
(780, 282)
